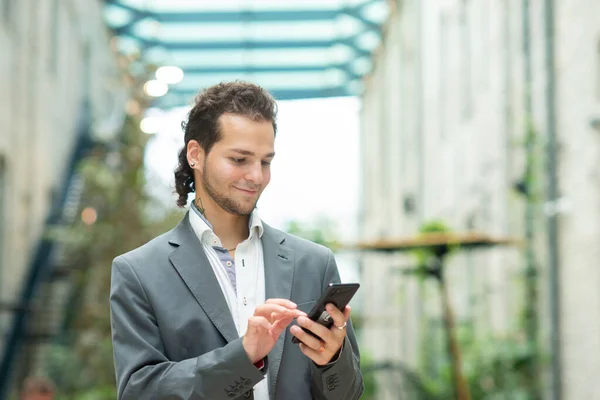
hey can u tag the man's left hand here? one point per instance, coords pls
(321, 352)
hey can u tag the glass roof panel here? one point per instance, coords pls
(261, 58)
(226, 32)
(117, 16)
(213, 5)
(280, 80)
(298, 48)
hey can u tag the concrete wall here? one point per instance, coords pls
(443, 124)
(55, 53)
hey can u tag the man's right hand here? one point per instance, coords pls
(265, 326)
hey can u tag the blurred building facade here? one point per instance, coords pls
(444, 122)
(56, 70)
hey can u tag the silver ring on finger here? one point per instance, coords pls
(341, 328)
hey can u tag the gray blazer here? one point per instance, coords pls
(174, 336)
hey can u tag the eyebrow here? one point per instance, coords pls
(250, 153)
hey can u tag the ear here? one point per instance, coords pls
(195, 155)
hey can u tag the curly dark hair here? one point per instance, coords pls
(202, 124)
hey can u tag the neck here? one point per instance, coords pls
(230, 228)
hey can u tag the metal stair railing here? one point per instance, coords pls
(42, 262)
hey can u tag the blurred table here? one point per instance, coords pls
(439, 245)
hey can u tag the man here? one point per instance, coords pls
(203, 311)
(35, 388)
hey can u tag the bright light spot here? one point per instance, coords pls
(150, 125)
(132, 107)
(89, 215)
(155, 88)
(169, 74)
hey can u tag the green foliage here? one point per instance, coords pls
(115, 185)
(423, 255)
(369, 381)
(435, 226)
(495, 366)
(76, 376)
(322, 231)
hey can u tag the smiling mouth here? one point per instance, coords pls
(247, 191)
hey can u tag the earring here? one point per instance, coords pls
(192, 165)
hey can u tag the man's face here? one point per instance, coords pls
(237, 168)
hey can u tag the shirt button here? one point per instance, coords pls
(228, 263)
(245, 302)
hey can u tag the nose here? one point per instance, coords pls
(255, 174)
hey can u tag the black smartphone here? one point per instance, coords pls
(338, 294)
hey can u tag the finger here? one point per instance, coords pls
(308, 340)
(275, 315)
(282, 302)
(279, 326)
(339, 328)
(347, 312)
(316, 328)
(267, 311)
(258, 323)
(316, 356)
(288, 315)
(337, 316)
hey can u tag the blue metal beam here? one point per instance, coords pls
(185, 97)
(254, 16)
(123, 6)
(247, 16)
(253, 69)
(355, 13)
(253, 45)
(250, 44)
(138, 15)
(284, 94)
(235, 16)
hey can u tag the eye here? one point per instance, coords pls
(266, 163)
(238, 160)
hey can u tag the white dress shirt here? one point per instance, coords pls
(249, 276)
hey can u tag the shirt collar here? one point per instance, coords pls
(255, 223)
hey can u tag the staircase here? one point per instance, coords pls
(38, 316)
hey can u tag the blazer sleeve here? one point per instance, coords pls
(142, 369)
(341, 380)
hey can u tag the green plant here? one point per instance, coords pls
(495, 366)
(369, 381)
(424, 255)
(115, 196)
(322, 231)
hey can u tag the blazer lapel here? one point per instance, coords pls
(279, 276)
(193, 266)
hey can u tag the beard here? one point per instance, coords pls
(226, 203)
